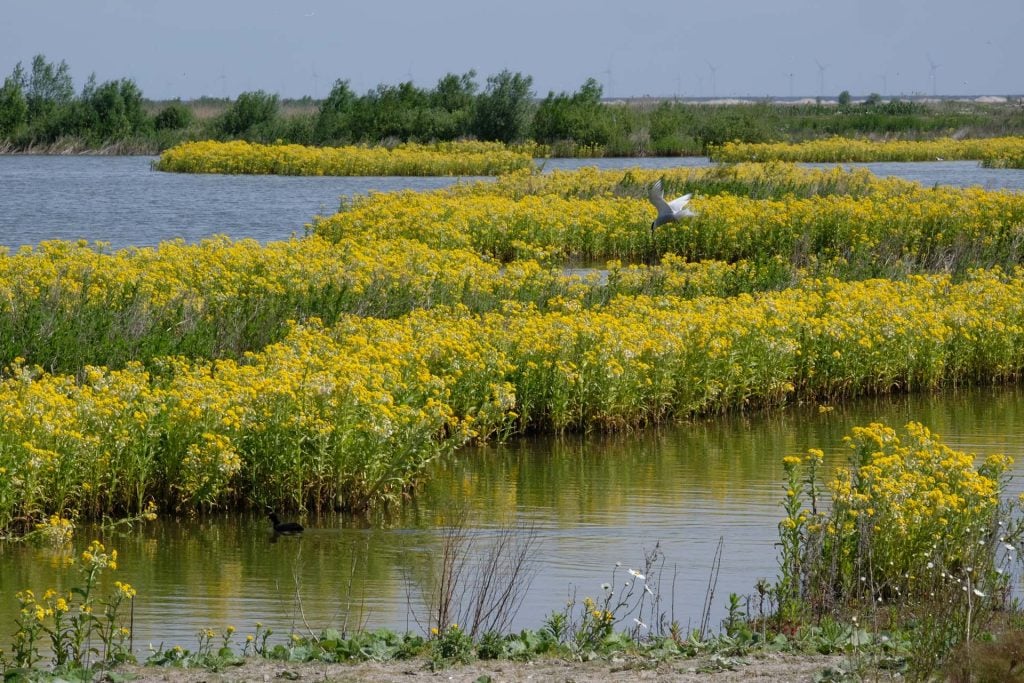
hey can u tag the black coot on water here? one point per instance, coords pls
(284, 527)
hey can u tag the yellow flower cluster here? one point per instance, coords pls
(911, 503)
(452, 158)
(316, 370)
(909, 520)
(774, 179)
(1008, 158)
(900, 226)
(357, 410)
(70, 304)
(56, 530)
(846, 149)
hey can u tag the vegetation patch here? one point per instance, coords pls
(442, 159)
(996, 152)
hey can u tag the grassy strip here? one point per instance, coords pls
(844, 149)
(352, 415)
(442, 159)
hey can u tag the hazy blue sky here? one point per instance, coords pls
(189, 48)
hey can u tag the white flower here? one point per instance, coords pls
(639, 623)
(979, 593)
(1009, 548)
(648, 589)
(637, 575)
(606, 587)
(931, 565)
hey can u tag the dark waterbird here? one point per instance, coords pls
(284, 527)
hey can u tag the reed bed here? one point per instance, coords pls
(839, 149)
(351, 414)
(410, 159)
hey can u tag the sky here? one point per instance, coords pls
(707, 48)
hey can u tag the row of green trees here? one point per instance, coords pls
(39, 107)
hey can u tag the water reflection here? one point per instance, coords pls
(593, 501)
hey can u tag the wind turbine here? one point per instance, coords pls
(608, 76)
(713, 69)
(821, 77)
(316, 90)
(790, 84)
(932, 66)
(885, 83)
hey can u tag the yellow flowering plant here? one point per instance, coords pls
(409, 159)
(913, 525)
(836, 149)
(78, 624)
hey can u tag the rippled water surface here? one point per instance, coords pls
(122, 201)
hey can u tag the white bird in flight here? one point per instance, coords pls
(668, 211)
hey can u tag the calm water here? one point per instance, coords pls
(121, 201)
(593, 501)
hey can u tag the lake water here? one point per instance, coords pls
(593, 502)
(121, 201)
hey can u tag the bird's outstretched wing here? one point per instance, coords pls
(677, 204)
(657, 197)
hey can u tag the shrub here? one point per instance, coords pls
(13, 108)
(503, 110)
(250, 110)
(174, 116)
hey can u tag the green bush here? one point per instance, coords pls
(13, 108)
(174, 116)
(579, 117)
(114, 110)
(249, 111)
(503, 111)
